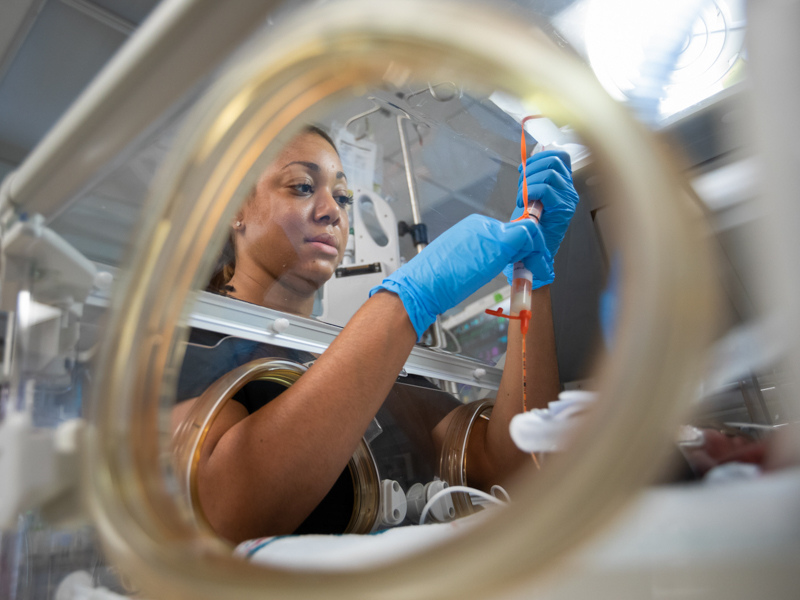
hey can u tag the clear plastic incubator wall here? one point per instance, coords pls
(284, 316)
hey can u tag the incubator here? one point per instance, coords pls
(196, 236)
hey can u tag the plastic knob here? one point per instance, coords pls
(103, 281)
(280, 325)
(419, 495)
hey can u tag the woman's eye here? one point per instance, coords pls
(304, 189)
(344, 199)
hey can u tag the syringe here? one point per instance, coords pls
(522, 280)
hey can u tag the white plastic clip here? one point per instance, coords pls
(393, 503)
(279, 325)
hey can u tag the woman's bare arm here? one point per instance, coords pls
(492, 455)
(267, 471)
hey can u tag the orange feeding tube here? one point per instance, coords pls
(522, 279)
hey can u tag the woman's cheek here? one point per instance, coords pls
(291, 229)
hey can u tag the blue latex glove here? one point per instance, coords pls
(461, 261)
(549, 176)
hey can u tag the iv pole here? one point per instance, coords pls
(420, 242)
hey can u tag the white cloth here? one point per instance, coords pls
(548, 429)
(350, 552)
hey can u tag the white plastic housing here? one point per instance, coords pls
(393, 503)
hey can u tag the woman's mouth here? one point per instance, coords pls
(325, 243)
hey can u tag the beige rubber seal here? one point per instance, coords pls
(453, 459)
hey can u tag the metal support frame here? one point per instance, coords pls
(419, 241)
(26, 17)
(754, 401)
(416, 214)
(363, 115)
(101, 15)
(248, 321)
(164, 59)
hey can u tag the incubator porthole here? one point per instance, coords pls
(328, 191)
(241, 170)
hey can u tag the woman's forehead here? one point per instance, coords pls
(310, 147)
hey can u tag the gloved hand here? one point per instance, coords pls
(549, 176)
(461, 261)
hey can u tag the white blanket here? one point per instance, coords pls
(350, 552)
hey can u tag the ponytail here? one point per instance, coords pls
(226, 266)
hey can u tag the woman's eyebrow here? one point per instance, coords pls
(309, 165)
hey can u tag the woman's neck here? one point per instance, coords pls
(267, 291)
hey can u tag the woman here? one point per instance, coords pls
(263, 471)
(285, 249)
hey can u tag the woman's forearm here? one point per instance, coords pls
(493, 454)
(269, 470)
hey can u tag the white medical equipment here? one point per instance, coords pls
(45, 284)
(376, 255)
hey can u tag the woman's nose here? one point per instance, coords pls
(326, 208)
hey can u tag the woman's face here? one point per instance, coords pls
(295, 226)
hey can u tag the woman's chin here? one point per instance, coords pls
(311, 279)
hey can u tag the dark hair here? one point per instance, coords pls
(226, 263)
(321, 133)
(223, 271)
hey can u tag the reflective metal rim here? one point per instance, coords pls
(366, 488)
(453, 459)
(193, 430)
(330, 52)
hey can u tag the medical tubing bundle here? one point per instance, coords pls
(463, 488)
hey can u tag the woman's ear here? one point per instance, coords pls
(238, 222)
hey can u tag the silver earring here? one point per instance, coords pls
(238, 224)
